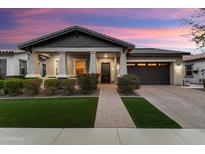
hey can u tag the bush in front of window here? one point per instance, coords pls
(2, 76)
(51, 86)
(32, 86)
(128, 83)
(1, 87)
(69, 86)
(13, 86)
(87, 82)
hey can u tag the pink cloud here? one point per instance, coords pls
(140, 13)
(156, 37)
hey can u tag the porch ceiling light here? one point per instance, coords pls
(105, 55)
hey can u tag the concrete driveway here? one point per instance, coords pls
(185, 106)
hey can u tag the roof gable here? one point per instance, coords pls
(76, 37)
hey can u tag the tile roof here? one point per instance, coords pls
(13, 51)
(156, 50)
(194, 57)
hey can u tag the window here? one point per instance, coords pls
(80, 67)
(43, 70)
(152, 64)
(141, 64)
(162, 64)
(56, 67)
(2, 68)
(22, 67)
(130, 64)
(188, 70)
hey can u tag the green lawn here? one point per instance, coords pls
(48, 113)
(145, 115)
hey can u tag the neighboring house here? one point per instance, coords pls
(194, 68)
(77, 50)
(13, 62)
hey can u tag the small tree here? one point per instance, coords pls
(197, 23)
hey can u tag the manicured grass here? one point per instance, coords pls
(145, 115)
(48, 113)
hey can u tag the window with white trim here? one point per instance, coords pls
(2, 68)
(22, 67)
(189, 70)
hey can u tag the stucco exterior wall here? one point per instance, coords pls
(176, 66)
(12, 68)
(197, 65)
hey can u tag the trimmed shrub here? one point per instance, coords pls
(136, 80)
(51, 86)
(13, 86)
(94, 79)
(128, 83)
(69, 86)
(87, 82)
(2, 76)
(32, 86)
(1, 84)
(1, 87)
(204, 83)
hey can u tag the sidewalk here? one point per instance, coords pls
(111, 112)
(102, 136)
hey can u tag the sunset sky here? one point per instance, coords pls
(157, 28)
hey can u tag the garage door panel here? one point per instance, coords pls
(157, 75)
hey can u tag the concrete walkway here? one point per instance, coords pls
(102, 136)
(111, 112)
(184, 105)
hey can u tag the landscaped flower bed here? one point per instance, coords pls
(85, 84)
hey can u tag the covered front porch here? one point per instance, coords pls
(49, 63)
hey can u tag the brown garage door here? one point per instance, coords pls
(151, 73)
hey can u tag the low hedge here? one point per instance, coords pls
(69, 86)
(51, 86)
(87, 82)
(128, 83)
(32, 86)
(13, 86)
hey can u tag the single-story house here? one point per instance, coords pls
(194, 68)
(13, 62)
(77, 50)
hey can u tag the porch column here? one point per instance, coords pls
(92, 65)
(123, 64)
(62, 65)
(33, 70)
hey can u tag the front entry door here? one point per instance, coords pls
(105, 72)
